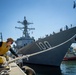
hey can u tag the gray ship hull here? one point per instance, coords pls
(49, 50)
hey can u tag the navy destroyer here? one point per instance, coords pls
(45, 51)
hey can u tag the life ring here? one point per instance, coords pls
(28, 70)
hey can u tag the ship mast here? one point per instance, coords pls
(25, 28)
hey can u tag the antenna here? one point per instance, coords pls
(25, 27)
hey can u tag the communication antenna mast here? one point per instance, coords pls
(25, 28)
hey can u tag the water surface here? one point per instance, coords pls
(66, 68)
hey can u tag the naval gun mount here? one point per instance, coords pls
(25, 39)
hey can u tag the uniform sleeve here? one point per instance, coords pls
(13, 52)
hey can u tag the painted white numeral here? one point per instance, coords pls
(47, 44)
(43, 46)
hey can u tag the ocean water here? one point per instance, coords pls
(66, 68)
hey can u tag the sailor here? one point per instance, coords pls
(4, 48)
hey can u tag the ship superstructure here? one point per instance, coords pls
(25, 39)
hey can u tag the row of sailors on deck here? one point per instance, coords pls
(66, 27)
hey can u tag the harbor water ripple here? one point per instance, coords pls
(66, 68)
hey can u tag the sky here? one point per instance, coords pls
(47, 16)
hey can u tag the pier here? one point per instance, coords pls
(16, 70)
(13, 69)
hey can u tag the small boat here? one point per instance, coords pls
(70, 55)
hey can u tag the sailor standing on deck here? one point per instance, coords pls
(4, 48)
